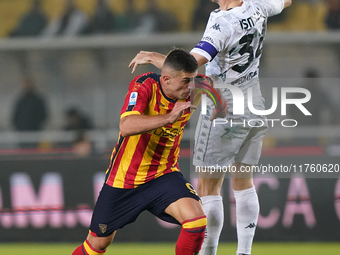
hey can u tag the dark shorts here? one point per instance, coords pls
(117, 207)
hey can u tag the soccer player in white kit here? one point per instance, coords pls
(230, 48)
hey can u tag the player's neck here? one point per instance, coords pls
(229, 4)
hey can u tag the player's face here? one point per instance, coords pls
(180, 86)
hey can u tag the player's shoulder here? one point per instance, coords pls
(218, 16)
(268, 7)
(219, 23)
(259, 3)
(144, 82)
(147, 77)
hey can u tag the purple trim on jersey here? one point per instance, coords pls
(208, 48)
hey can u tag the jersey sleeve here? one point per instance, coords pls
(215, 37)
(270, 7)
(136, 100)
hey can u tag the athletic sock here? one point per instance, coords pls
(213, 209)
(87, 249)
(191, 237)
(247, 212)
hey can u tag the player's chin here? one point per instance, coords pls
(185, 96)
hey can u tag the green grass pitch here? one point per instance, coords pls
(312, 248)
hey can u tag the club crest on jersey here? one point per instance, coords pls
(103, 228)
(133, 98)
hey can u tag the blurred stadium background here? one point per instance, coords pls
(50, 177)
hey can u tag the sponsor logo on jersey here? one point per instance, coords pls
(245, 78)
(216, 26)
(167, 132)
(133, 98)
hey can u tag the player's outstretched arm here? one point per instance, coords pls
(157, 59)
(138, 124)
(147, 57)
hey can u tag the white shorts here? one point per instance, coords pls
(226, 144)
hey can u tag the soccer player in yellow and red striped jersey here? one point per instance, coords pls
(143, 173)
(143, 157)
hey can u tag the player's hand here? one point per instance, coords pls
(147, 57)
(142, 58)
(178, 111)
(220, 114)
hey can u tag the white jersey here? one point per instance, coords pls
(232, 42)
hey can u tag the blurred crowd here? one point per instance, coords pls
(104, 19)
(74, 21)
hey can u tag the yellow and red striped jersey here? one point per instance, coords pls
(140, 158)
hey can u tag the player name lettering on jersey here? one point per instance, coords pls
(247, 23)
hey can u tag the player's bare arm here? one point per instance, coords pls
(147, 57)
(157, 59)
(138, 124)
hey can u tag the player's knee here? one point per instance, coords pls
(99, 243)
(209, 186)
(242, 183)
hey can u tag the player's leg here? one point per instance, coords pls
(247, 203)
(208, 150)
(112, 211)
(94, 245)
(209, 190)
(247, 209)
(173, 199)
(189, 213)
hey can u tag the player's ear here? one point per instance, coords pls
(166, 79)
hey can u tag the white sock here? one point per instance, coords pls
(213, 209)
(247, 212)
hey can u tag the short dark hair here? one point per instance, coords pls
(181, 60)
